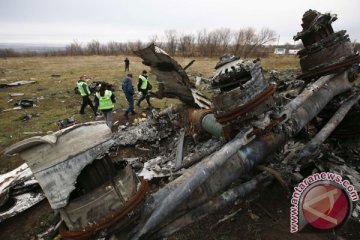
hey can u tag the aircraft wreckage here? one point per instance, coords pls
(202, 146)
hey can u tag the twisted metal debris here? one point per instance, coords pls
(244, 117)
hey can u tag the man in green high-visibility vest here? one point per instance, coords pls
(85, 93)
(105, 99)
(143, 87)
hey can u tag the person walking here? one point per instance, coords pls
(127, 65)
(85, 93)
(143, 87)
(105, 99)
(128, 89)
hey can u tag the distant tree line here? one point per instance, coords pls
(246, 42)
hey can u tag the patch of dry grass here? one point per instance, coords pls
(279, 62)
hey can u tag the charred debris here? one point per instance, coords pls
(177, 165)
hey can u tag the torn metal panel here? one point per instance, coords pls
(172, 79)
(18, 192)
(57, 159)
(21, 203)
(90, 191)
(9, 179)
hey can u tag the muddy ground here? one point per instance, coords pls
(264, 214)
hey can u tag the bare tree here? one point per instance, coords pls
(104, 50)
(113, 48)
(186, 45)
(74, 48)
(154, 38)
(248, 42)
(8, 52)
(134, 46)
(171, 42)
(93, 47)
(225, 37)
(266, 36)
(201, 38)
(249, 39)
(212, 43)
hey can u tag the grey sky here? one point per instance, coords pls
(62, 21)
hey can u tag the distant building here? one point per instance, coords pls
(293, 51)
(280, 51)
(284, 50)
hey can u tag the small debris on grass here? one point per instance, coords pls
(16, 94)
(66, 122)
(31, 133)
(25, 103)
(14, 84)
(12, 109)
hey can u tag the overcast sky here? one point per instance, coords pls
(63, 21)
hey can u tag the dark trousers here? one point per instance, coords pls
(108, 117)
(126, 68)
(130, 100)
(144, 95)
(86, 101)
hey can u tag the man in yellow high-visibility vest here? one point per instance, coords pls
(85, 93)
(105, 99)
(143, 87)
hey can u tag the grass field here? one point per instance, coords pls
(55, 98)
